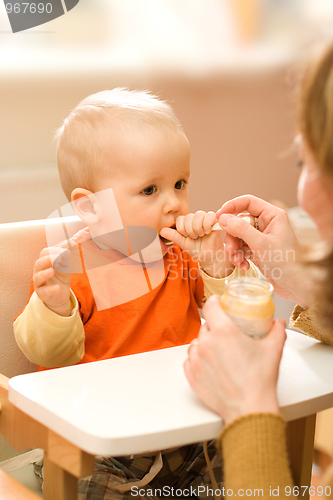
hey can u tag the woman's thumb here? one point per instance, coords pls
(240, 228)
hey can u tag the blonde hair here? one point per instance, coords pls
(315, 119)
(316, 109)
(83, 138)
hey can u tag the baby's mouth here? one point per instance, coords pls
(165, 241)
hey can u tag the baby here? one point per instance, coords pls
(124, 163)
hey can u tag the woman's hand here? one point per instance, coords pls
(232, 373)
(273, 249)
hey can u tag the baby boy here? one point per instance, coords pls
(127, 147)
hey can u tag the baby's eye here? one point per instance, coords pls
(149, 190)
(181, 184)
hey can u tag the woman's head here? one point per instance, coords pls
(316, 110)
(315, 189)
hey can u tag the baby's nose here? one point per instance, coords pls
(172, 204)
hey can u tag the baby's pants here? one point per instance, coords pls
(184, 474)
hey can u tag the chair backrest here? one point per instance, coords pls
(20, 245)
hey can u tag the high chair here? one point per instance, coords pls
(20, 245)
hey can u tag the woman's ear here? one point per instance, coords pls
(83, 202)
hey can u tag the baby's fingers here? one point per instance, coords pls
(55, 257)
(40, 278)
(47, 292)
(209, 221)
(180, 225)
(42, 263)
(61, 262)
(192, 225)
(196, 224)
(175, 236)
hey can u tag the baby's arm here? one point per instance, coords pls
(49, 331)
(214, 286)
(48, 339)
(53, 287)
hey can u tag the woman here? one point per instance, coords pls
(235, 375)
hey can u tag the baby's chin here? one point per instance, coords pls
(152, 254)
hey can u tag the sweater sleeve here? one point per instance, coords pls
(48, 339)
(308, 321)
(255, 457)
(215, 286)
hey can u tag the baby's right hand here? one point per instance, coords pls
(53, 286)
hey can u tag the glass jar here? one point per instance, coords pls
(248, 302)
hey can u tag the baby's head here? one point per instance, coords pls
(132, 142)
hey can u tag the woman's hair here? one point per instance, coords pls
(315, 119)
(89, 135)
(315, 114)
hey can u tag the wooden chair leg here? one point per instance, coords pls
(58, 484)
(300, 439)
(64, 463)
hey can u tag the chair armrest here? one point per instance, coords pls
(4, 383)
(4, 380)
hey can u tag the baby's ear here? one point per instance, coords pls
(83, 204)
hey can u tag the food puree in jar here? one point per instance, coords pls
(248, 301)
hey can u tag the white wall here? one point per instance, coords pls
(239, 124)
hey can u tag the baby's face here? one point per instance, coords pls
(150, 180)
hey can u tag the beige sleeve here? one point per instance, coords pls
(255, 457)
(215, 286)
(308, 321)
(48, 339)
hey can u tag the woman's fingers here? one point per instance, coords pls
(237, 251)
(216, 318)
(239, 228)
(264, 212)
(247, 203)
(276, 337)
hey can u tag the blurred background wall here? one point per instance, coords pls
(227, 67)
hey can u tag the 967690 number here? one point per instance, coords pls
(301, 491)
(28, 8)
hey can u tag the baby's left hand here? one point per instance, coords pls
(194, 235)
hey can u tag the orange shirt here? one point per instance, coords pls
(166, 316)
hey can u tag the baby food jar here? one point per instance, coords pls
(248, 302)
